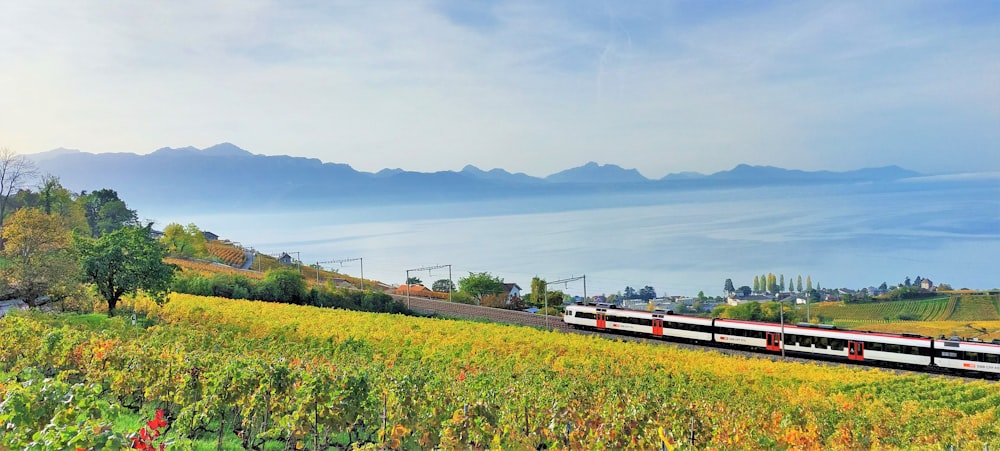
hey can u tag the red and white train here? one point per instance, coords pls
(817, 341)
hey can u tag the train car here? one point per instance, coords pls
(657, 324)
(908, 350)
(968, 356)
(826, 342)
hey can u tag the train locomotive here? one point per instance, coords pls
(973, 358)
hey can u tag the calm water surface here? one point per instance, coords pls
(678, 243)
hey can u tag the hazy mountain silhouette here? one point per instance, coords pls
(225, 176)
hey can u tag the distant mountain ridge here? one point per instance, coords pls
(231, 176)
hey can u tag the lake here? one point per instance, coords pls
(946, 229)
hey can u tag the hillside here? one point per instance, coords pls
(298, 377)
(949, 313)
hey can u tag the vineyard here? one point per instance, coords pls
(937, 309)
(260, 375)
(227, 253)
(945, 316)
(209, 269)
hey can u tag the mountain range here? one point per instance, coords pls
(226, 175)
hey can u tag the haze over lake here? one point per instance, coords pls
(946, 229)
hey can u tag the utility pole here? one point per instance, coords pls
(428, 269)
(563, 281)
(346, 260)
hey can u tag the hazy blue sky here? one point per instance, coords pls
(529, 86)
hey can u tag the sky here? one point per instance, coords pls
(528, 86)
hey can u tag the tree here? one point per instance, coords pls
(906, 282)
(944, 287)
(744, 290)
(798, 284)
(728, 288)
(283, 285)
(701, 295)
(538, 286)
(106, 212)
(414, 281)
(185, 241)
(884, 287)
(630, 293)
(39, 255)
(15, 173)
(809, 283)
(124, 261)
(443, 286)
(756, 284)
(56, 200)
(772, 283)
(479, 285)
(647, 293)
(781, 283)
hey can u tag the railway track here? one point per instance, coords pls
(475, 312)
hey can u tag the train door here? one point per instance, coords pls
(602, 320)
(773, 341)
(855, 350)
(658, 327)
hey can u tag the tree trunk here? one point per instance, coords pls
(112, 303)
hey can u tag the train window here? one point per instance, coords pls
(837, 344)
(949, 354)
(973, 356)
(992, 358)
(875, 347)
(823, 342)
(645, 322)
(806, 341)
(892, 348)
(914, 350)
(586, 315)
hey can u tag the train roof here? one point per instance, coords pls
(609, 308)
(984, 346)
(832, 333)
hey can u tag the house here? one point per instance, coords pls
(209, 236)
(926, 284)
(511, 292)
(285, 259)
(737, 300)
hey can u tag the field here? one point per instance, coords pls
(280, 375)
(911, 315)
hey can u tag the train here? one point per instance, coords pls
(954, 355)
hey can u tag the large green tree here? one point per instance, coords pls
(122, 262)
(106, 212)
(479, 285)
